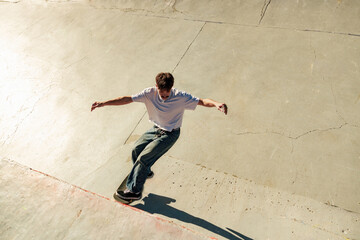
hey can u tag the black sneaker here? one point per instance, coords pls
(150, 175)
(128, 195)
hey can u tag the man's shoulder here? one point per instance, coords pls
(149, 89)
(143, 95)
(186, 98)
(182, 93)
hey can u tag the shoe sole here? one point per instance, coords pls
(128, 198)
(150, 176)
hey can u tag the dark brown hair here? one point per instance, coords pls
(165, 81)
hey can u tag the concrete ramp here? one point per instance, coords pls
(37, 206)
(283, 164)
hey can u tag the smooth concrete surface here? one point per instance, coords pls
(284, 163)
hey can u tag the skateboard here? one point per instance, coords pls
(122, 187)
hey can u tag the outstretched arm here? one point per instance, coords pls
(211, 103)
(117, 101)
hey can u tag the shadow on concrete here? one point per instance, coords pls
(159, 204)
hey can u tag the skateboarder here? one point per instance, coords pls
(165, 106)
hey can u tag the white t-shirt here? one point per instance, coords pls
(166, 114)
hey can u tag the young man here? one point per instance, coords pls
(165, 106)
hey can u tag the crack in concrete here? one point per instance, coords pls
(335, 101)
(125, 10)
(263, 10)
(319, 130)
(189, 47)
(20, 122)
(133, 10)
(135, 127)
(174, 8)
(319, 31)
(344, 209)
(292, 137)
(76, 62)
(34, 23)
(171, 5)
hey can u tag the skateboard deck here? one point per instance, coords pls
(122, 187)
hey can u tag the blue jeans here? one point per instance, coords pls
(150, 147)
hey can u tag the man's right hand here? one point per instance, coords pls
(96, 105)
(117, 101)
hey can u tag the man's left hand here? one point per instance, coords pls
(223, 108)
